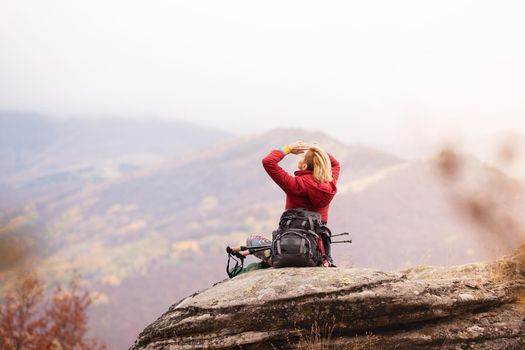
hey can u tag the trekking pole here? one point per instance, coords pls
(252, 250)
(247, 250)
(348, 241)
(341, 234)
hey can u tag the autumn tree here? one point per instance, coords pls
(29, 320)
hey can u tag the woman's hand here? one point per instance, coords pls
(298, 147)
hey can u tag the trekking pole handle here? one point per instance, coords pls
(242, 251)
(236, 251)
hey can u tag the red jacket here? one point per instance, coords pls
(302, 191)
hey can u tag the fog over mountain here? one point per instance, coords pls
(144, 210)
(397, 74)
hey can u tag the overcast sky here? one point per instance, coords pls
(398, 74)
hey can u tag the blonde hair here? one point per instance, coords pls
(317, 160)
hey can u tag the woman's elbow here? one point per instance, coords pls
(266, 162)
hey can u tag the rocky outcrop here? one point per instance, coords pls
(479, 306)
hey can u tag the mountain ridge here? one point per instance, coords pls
(66, 145)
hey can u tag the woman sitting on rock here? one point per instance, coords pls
(313, 186)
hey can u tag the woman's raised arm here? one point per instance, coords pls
(289, 184)
(336, 167)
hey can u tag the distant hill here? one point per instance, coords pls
(148, 237)
(37, 151)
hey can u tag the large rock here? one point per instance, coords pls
(479, 306)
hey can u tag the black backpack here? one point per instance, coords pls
(294, 243)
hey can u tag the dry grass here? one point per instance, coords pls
(318, 338)
(321, 337)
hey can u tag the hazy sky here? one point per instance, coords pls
(399, 74)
